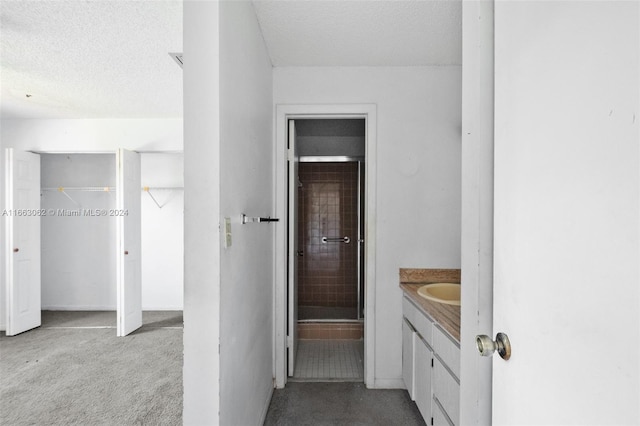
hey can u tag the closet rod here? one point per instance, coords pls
(148, 189)
(169, 188)
(81, 188)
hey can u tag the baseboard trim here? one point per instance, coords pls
(265, 409)
(162, 308)
(78, 308)
(104, 308)
(389, 384)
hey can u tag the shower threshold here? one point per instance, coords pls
(349, 330)
(327, 313)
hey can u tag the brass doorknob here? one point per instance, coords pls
(487, 347)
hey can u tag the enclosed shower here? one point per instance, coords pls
(330, 225)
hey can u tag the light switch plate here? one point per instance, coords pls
(227, 232)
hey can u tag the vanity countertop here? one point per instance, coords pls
(448, 316)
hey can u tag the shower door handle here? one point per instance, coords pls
(345, 240)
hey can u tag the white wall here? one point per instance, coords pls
(162, 232)
(92, 135)
(246, 175)
(201, 372)
(78, 252)
(228, 171)
(418, 150)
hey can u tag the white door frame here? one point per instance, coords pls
(292, 247)
(284, 113)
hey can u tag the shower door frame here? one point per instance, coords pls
(285, 112)
(359, 232)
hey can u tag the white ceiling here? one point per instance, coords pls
(362, 33)
(109, 58)
(90, 59)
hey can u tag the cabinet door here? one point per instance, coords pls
(422, 374)
(408, 356)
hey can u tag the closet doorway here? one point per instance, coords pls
(79, 235)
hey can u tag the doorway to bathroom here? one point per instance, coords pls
(325, 261)
(328, 237)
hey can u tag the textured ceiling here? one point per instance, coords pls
(362, 33)
(90, 59)
(109, 58)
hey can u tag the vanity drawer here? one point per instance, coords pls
(446, 390)
(438, 415)
(447, 349)
(422, 324)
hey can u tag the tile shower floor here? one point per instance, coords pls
(329, 360)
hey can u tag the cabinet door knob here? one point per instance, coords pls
(126, 252)
(487, 347)
(15, 250)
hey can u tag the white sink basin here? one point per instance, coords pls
(447, 293)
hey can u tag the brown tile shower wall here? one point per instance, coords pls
(327, 207)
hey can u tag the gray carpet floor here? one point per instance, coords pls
(61, 375)
(324, 404)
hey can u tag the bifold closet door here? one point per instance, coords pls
(128, 258)
(22, 246)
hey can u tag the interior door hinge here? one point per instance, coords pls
(289, 341)
(290, 154)
(431, 362)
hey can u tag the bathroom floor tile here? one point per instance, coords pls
(329, 360)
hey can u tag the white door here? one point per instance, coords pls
(292, 341)
(22, 246)
(567, 188)
(128, 258)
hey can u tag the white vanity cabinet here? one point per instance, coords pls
(417, 356)
(423, 377)
(430, 366)
(408, 356)
(446, 373)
